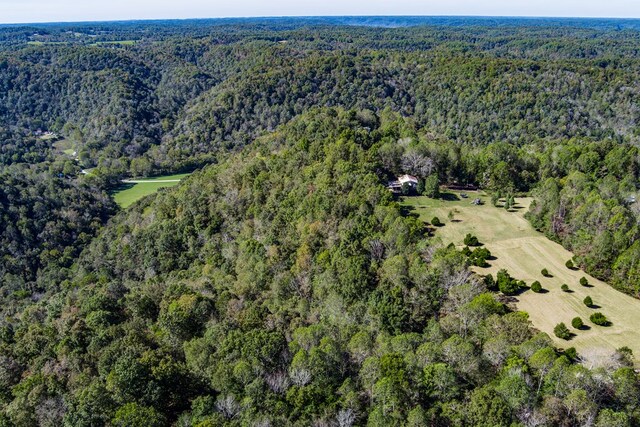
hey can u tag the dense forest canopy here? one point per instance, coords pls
(175, 101)
(281, 283)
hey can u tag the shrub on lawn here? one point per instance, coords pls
(506, 284)
(490, 283)
(599, 319)
(588, 301)
(536, 287)
(577, 323)
(436, 222)
(565, 288)
(479, 257)
(571, 353)
(545, 272)
(471, 240)
(569, 265)
(561, 331)
(584, 281)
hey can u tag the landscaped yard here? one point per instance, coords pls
(137, 188)
(524, 252)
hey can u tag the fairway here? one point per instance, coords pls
(135, 189)
(524, 252)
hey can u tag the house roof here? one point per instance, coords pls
(407, 178)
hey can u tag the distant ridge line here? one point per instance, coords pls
(382, 21)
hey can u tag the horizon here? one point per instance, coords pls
(17, 12)
(275, 17)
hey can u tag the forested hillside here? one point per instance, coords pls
(281, 284)
(285, 287)
(45, 221)
(173, 104)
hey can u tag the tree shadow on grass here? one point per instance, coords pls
(588, 285)
(408, 211)
(121, 187)
(584, 328)
(528, 288)
(606, 325)
(449, 197)
(519, 292)
(594, 306)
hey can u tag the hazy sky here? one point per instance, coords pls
(82, 10)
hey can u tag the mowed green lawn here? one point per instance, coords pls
(129, 193)
(524, 252)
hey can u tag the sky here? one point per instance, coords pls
(22, 11)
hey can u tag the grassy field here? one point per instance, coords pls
(64, 146)
(115, 42)
(130, 192)
(524, 252)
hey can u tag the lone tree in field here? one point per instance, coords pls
(478, 257)
(490, 283)
(436, 222)
(588, 302)
(507, 284)
(569, 265)
(451, 215)
(571, 353)
(565, 288)
(536, 287)
(432, 186)
(577, 323)
(561, 331)
(545, 272)
(584, 281)
(599, 319)
(471, 240)
(507, 203)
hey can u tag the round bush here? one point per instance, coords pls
(577, 323)
(571, 353)
(436, 222)
(471, 240)
(569, 265)
(588, 301)
(561, 331)
(545, 272)
(599, 319)
(584, 281)
(536, 287)
(565, 288)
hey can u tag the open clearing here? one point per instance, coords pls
(524, 252)
(115, 42)
(135, 189)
